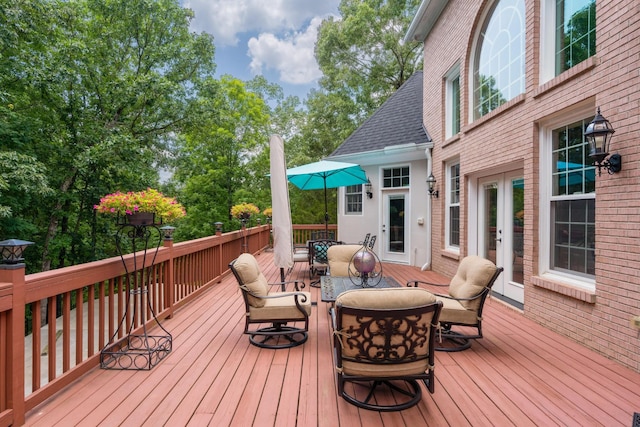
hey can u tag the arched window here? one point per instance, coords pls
(498, 69)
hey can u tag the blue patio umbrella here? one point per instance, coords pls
(326, 174)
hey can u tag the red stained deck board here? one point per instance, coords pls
(519, 374)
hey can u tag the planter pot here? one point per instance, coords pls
(141, 218)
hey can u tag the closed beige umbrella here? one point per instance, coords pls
(281, 216)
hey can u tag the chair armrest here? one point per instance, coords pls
(476, 296)
(299, 297)
(284, 284)
(414, 283)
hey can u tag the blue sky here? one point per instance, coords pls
(273, 38)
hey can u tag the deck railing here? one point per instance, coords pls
(76, 310)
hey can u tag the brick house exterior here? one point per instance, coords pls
(511, 163)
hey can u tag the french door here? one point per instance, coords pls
(500, 230)
(395, 233)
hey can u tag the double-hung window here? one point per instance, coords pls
(452, 236)
(569, 213)
(353, 199)
(452, 110)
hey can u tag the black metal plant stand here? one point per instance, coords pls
(140, 351)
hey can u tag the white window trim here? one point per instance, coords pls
(346, 203)
(449, 78)
(447, 216)
(578, 112)
(472, 60)
(547, 40)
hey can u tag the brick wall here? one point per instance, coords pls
(508, 138)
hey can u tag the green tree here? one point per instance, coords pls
(217, 161)
(104, 90)
(362, 54)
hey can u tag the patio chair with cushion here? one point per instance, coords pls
(339, 259)
(463, 304)
(384, 342)
(318, 262)
(274, 308)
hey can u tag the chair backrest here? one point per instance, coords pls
(339, 257)
(318, 249)
(323, 235)
(250, 279)
(474, 277)
(380, 329)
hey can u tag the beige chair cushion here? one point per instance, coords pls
(339, 257)
(385, 298)
(454, 312)
(249, 271)
(281, 308)
(474, 274)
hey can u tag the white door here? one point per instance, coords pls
(500, 230)
(395, 244)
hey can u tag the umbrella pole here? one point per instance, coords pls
(326, 210)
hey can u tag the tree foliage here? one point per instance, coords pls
(98, 96)
(102, 90)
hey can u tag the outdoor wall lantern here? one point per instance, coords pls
(431, 182)
(369, 189)
(598, 135)
(167, 232)
(11, 251)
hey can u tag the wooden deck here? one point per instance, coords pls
(520, 374)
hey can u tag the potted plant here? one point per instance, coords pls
(243, 211)
(141, 207)
(268, 212)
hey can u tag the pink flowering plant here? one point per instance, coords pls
(149, 200)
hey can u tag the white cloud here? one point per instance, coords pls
(225, 19)
(281, 34)
(292, 56)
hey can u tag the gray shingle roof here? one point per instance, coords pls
(398, 121)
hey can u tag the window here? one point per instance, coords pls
(572, 201)
(453, 207)
(568, 202)
(353, 199)
(395, 177)
(498, 74)
(452, 103)
(575, 33)
(567, 35)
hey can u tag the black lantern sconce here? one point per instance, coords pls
(167, 232)
(368, 188)
(598, 134)
(11, 251)
(431, 183)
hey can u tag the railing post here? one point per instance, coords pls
(14, 273)
(169, 281)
